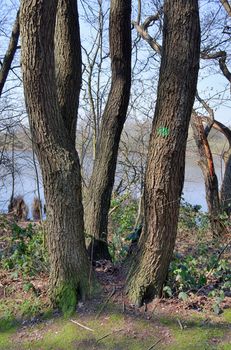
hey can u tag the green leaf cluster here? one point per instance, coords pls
(25, 251)
(121, 224)
(205, 272)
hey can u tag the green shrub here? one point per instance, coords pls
(122, 221)
(190, 274)
(192, 218)
(25, 251)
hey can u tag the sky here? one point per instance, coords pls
(212, 85)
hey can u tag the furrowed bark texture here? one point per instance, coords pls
(68, 63)
(102, 180)
(55, 147)
(9, 56)
(207, 167)
(166, 157)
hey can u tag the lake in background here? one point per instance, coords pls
(25, 181)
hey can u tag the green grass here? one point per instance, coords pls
(113, 330)
(122, 331)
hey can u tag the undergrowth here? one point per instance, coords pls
(121, 224)
(24, 251)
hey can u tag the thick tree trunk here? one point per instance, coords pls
(166, 157)
(102, 179)
(207, 167)
(53, 137)
(9, 56)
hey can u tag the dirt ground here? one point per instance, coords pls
(111, 321)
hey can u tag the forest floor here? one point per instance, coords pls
(110, 321)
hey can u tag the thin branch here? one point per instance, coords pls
(208, 56)
(147, 37)
(151, 19)
(224, 68)
(226, 6)
(222, 62)
(210, 120)
(139, 12)
(9, 56)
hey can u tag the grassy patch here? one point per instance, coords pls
(195, 335)
(227, 315)
(113, 331)
(109, 332)
(5, 340)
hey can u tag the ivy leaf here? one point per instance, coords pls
(168, 291)
(183, 296)
(217, 310)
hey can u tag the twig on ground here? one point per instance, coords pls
(81, 325)
(108, 334)
(156, 343)
(124, 307)
(103, 306)
(180, 324)
(155, 307)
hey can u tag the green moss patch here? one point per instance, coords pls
(114, 330)
(227, 316)
(195, 334)
(5, 340)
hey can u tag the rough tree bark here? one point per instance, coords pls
(166, 157)
(53, 131)
(102, 179)
(210, 178)
(9, 56)
(68, 63)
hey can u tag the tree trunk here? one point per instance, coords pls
(166, 156)
(225, 194)
(53, 136)
(226, 184)
(207, 167)
(102, 179)
(68, 63)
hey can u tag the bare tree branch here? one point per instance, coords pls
(222, 62)
(139, 12)
(209, 120)
(226, 6)
(224, 68)
(9, 56)
(209, 56)
(147, 37)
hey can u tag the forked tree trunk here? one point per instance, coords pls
(210, 178)
(102, 179)
(166, 156)
(53, 131)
